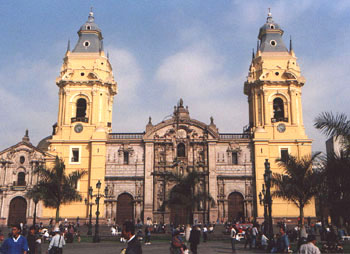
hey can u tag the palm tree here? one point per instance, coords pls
(55, 188)
(336, 166)
(186, 194)
(299, 183)
(334, 125)
(336, 169)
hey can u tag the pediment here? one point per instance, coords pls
(181, 129)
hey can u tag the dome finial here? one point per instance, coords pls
(91, 15)
(269, 15)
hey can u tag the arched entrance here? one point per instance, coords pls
(125, 208)
(179, 212)
(235, 207)
(178, 215)
(17, 211)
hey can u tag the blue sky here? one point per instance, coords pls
(163, 50)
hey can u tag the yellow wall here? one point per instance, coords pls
(262, 86)
(97, 87)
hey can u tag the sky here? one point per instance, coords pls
(164, 50)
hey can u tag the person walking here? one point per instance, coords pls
(16, 244)
(233, 234)
(187, 232)
(177, 245)
(205, 233)
(255, 234)
(309, 247)
(128, 232)
(282, 242)
(57, 243)
(248, 238)
(31, 239)
(194, 239)
(147, 235)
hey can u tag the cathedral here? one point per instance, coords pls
(134, 167)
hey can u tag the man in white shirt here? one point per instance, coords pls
(233, 238)
(255, 233)
(57, 241)
(310, 247)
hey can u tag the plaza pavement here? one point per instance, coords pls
(158, 247)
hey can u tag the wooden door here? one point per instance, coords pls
(18, 211)
(125, 209)
(235, 207)
(178, 215)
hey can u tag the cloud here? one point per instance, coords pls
(28, 99)
(199, 74)
(128, 114)
(127, 73)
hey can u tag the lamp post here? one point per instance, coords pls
(267, 179)
(262, 199)
(89, 203)
(98, 196)
(36, 200)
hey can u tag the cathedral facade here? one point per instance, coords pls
(135, 167)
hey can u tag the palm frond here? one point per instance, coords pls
(333, 125)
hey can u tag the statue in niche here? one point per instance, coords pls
(139, 189)
(222, 189)
(160, 195)
(110, 190)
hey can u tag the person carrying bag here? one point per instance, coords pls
(57, 243)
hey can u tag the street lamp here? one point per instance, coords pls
(267, 197)
(98, 196)
(36, 200)
(89, 203)
(263, 201)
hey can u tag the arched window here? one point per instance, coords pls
(181, 150)
(21, 179)
(278, 110)
(81, 108)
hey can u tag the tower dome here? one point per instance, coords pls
(270, 36)
(90, 37)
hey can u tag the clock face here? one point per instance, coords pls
(281, 127)
(78, 128)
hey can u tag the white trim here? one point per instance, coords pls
(71, 154)
(87, 43)
(283, 147)
(273, 41)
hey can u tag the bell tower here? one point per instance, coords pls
(86, 90)
(274, 88)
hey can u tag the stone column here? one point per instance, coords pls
(213, 212)
(148, 186)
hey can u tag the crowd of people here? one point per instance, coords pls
(22, 239)
(184, 239)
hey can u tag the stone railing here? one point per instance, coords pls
(235, 135)
(125, 135)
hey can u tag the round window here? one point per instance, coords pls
(277, 73)
(88, 27)
(272, 27)
(86, 43)
(273, 43)
(82, 74)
